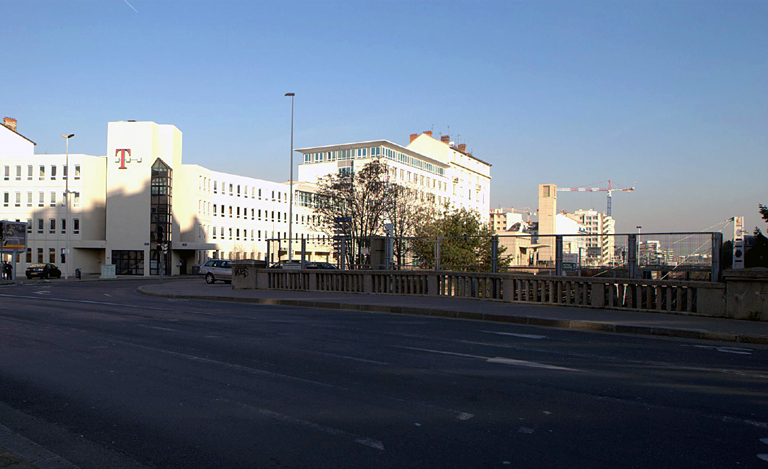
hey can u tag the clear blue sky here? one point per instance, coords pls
(672, 95)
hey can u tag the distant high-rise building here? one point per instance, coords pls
(600, 245)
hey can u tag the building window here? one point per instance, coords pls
(63, 226)
(53, 199)
(76, 226)
(29, 256)
(52, 228)
(128, 262)
(40, 199)
(77, 171)
(29, 199)
(29, 172)
(6, 173)
(53, 173)
(161, 217)
(77, 199)
(42, 172)
(29, 225)
(6, 199)
(63, 256)
(39, 255)
(17, 203)
(52, 255)
(64, 172)
(18, 172)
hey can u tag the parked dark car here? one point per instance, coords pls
(43, 271)
(296, 264)
(286, 264)
(320, 265)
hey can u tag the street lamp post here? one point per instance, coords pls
(68, 257)
(290, 196)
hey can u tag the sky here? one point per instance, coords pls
(669, 95)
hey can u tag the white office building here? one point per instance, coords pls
(440, 171)
(126, 206)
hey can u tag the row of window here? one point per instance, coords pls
(52, 226)
(51, 258)
(237, 190)
(41, 199)
(372, 152)
(40, 173)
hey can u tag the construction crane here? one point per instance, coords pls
(610, 189)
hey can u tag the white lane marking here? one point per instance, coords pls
(764, 457)
(107, 294)
(364, 360)
(376, 444)
(256, 371)
(506, 361)
(754, 423)
(736, 350)
(525, 430)
(622, 360)
(764, 440)
(523, 336)
(90, 302)
(157, 327)
(42, 292)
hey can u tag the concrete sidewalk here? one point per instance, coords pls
(603, 320)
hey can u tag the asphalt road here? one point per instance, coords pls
(105, 377)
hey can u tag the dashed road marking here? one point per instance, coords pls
(735, 350)
(522, 336)
(503, 360)
(363, 440)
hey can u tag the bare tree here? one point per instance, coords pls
(354, 206)
(408, 211)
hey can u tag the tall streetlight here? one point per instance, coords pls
(66, 197)
(290, 196)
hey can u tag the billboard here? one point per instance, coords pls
(13, 235)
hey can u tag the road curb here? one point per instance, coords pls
(22, 452)
(595, 326)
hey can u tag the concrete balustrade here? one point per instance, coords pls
(743, 294)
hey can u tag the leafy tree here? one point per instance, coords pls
(764, 212)
(465, 243)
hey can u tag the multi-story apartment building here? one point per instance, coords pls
(139, 197)
(441, 172)
(601, 228)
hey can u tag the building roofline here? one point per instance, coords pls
(25, 138)
(400, 148)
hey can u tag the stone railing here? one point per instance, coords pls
(741, 296)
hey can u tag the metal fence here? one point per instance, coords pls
(654, 256)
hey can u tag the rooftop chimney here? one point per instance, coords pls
(463, 147)
(10, 122)
(445, 139)
(428, 132)
(413, 137)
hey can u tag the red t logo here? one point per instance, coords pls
(121, 152)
